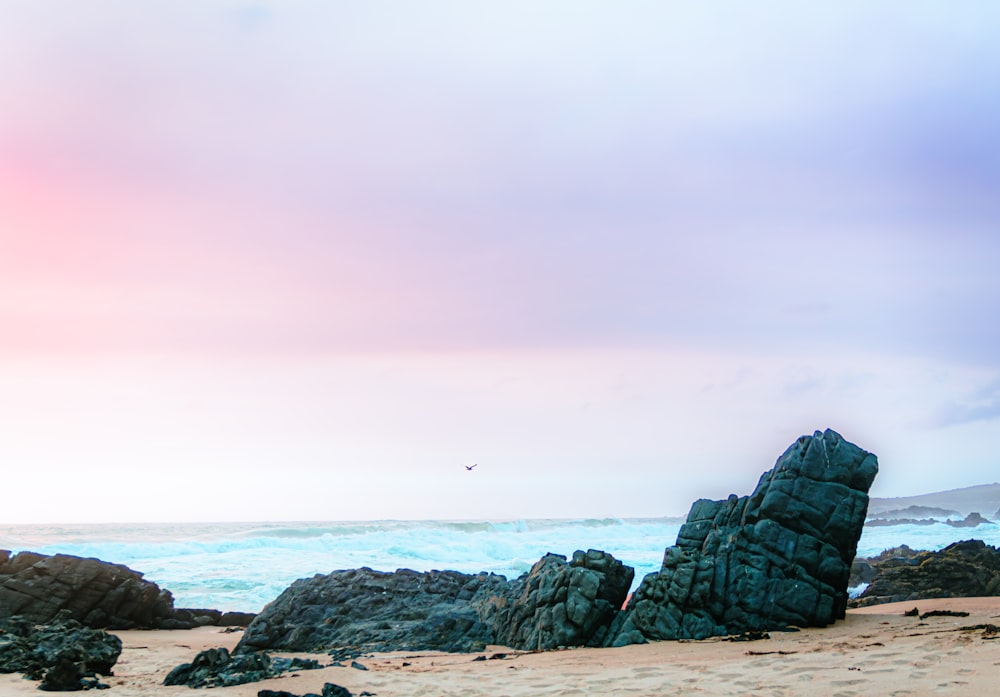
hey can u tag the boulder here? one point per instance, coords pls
(778, 557)
(95, 593)
(557, 603)
(970, 568)
(63, 654)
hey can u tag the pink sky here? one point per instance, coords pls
(303, 261)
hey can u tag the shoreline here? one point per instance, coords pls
(876, 650)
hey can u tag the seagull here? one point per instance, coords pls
(469, 467)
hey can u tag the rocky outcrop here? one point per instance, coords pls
(779, 557)
(63, 654)
(380, 611)
(863, 569)
(218, 668)
(972, 520)
(560, 604)
(329, 690)
(911, 513)
(95, 593)
(557, 603)
(964, 569)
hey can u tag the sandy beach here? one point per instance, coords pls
(875, 651)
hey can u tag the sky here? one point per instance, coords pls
(305, 260)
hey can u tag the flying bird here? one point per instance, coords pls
(469, 467)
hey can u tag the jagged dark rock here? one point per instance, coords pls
(63, 654)
(96, 593)
(218, 668)
(376, 611)
(329, 690)
(972, 520)
(779, 557)
(557, 603)
(890, 522)
(560, 604)
(970, 568)
(913, 513)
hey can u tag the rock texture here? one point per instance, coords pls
(95, 593)
(557, 603)
(781, 556)
(329, 690)
(560, 604)
(63, 654)
(964, 569)
(218, 668)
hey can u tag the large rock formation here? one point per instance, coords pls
(95, 593)
(779, 557)
(964, 569)
(557, 603)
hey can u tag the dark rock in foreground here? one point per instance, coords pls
(217, 668)
(964, 569)
(95, 593)
(781, 556)
(63, 654)
(557, 603)
(329, 690)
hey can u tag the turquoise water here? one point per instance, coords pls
(243, 566)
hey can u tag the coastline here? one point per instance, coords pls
(876, 650)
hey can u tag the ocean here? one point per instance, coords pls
(243, 566)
